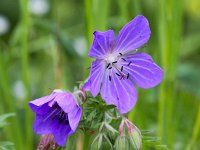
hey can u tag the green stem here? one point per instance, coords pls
(8, 103)
(170, 19)
(25, 71)
(196, 131)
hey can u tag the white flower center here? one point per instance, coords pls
(110, 58)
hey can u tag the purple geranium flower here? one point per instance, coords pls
(116, 69)
(57, 114)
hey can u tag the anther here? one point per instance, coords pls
(129, 63)
(110, 78)
(127, 75)
(123, 59)
(120, 54)
(108, 65)
(114, 62)
(121, 68)
(117, 74)
(110, 68)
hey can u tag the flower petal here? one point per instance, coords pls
(143, 71)
(102, 44)
(107, 90)
(37, 105)
(61, 133)
(74, 118)
(44, 124)
(66, 101)
(133, 35)
(120, 93)
(96, 75)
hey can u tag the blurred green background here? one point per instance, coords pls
(44, 45)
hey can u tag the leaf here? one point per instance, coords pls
(108, 141)
(5, 145)
(110, 128)
(3, 118)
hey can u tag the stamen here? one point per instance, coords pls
(108, 65)
(129, 63)
(120, 54)
(110, 78)
(127, 75)
(114, 62)
(123, 59)
(110, 68)
(117, 74)
(121, 68)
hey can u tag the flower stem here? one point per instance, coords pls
(25, 71)
(13, 129)
(196, 131)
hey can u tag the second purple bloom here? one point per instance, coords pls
(116, 69)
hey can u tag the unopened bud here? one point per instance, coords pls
(122, 143)
(130, 131)
(47, 141)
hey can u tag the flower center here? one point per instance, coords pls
(115, 62)
(110, 58)
(57, 114)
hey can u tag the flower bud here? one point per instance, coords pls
(122, 143)
(129, 130)
(47, 141)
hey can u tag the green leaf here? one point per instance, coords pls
(3, 118)
(5, 145)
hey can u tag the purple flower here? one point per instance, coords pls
(57, 114)
(118, 65)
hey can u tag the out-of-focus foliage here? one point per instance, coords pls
(45, 47)
(5, 145)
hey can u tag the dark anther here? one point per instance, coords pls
(118, 74)
(110, 68)
(121, 68)
(127, 75)
(120, 54)
(108, 65)
(110, 78)
(123, 59)
(114, 62)
(129, 63)
(61, 115)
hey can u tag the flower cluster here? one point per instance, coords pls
(117, 68)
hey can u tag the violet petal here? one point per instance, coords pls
(143, 71)
(133, 35)
(96, 75)
(102, 44)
